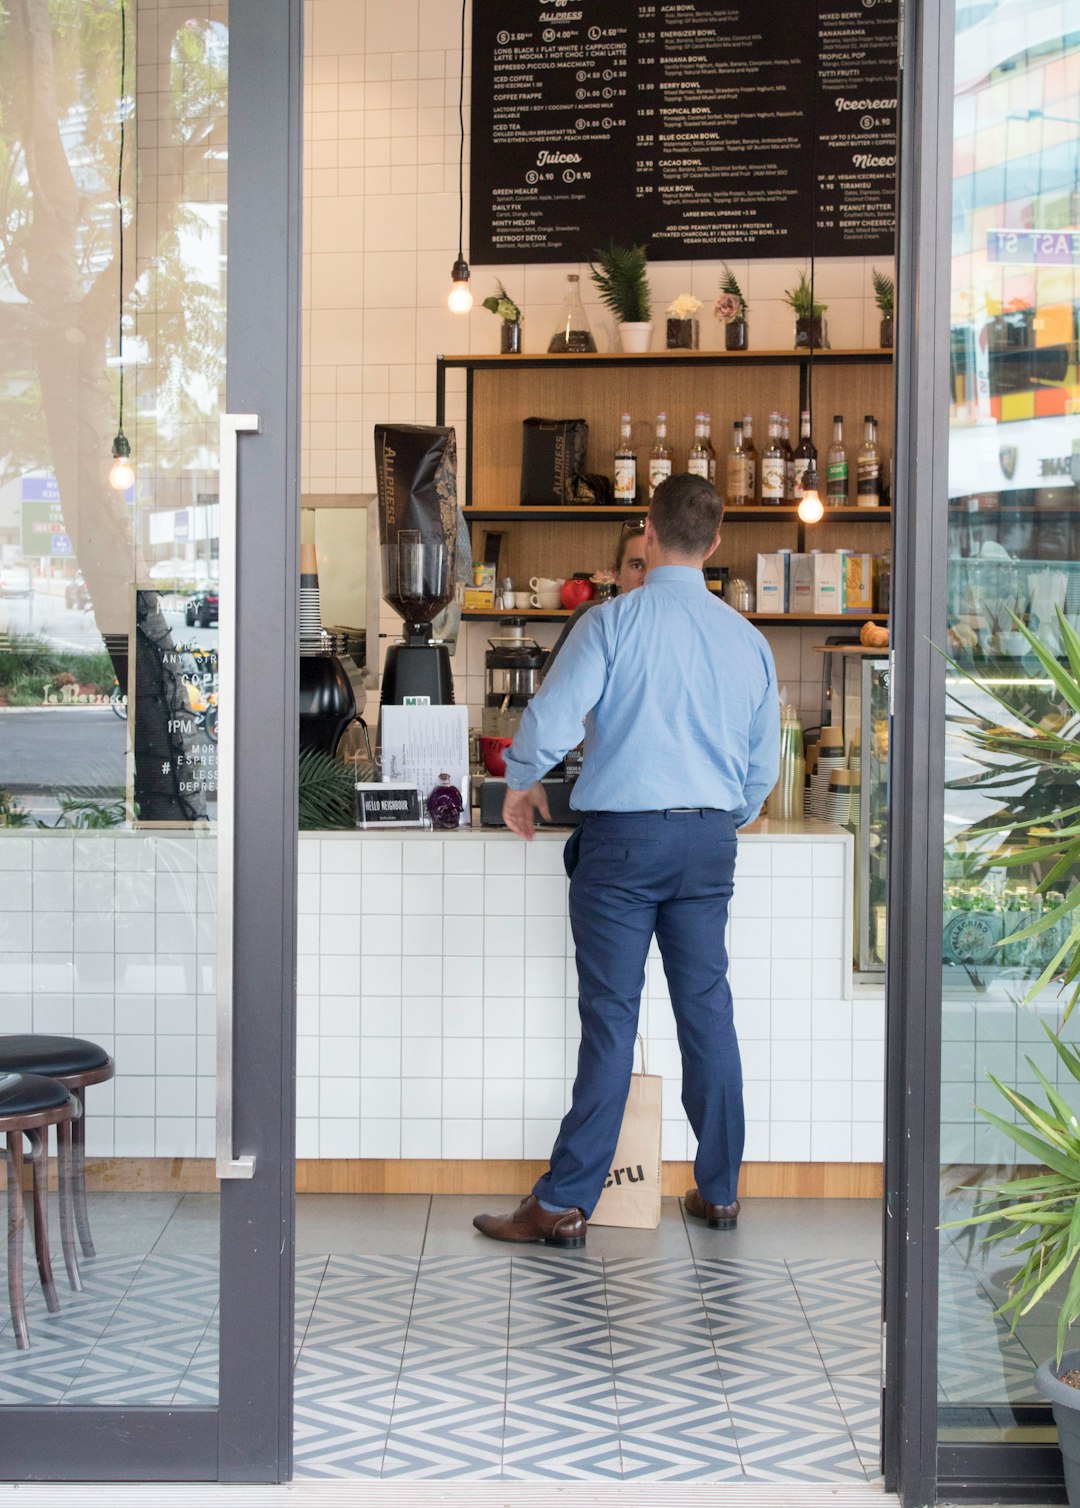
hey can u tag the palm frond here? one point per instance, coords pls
(622, 281)
(884, 291)
(327, 796)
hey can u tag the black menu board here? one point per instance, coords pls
(703, 129)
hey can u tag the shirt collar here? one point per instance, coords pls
(686, 578)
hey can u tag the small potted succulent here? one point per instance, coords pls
(884, 293)
(503, 305)
(732, 310)
(682, 325)
(622, 280)
(809, 315)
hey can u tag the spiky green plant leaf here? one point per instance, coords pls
(622, 281)
(327, 794)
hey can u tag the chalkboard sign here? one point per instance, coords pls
(704, 129)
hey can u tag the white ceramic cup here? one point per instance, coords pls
(546, 600)
(521, 599)
(545, 584)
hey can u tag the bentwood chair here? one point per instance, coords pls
(76, 1064)
(29, 1105)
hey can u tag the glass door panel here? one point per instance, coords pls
(1014, 562)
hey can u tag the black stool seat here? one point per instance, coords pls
(34, 1053)
(24, 1094)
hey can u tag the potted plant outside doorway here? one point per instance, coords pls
(1036, 1217)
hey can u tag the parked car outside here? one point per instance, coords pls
(15, 582)
(202, 608)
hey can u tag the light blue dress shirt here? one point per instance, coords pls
(677, 694)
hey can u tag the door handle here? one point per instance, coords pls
(232, 425)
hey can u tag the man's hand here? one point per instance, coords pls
(520, 808)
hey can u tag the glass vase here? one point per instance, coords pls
(682, 335)
(810, 332)
(510, 343)
(737, 335)
(885, 335)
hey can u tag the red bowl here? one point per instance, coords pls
(492, 751)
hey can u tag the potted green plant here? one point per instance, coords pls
(809, 315)
(503, 305)
(732, 310)
(884, 294)
(1036, 1217)
(622, 280)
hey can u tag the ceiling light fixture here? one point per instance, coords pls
(121, 474)
(460, 300)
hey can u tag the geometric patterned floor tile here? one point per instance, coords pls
(580, 1368)
(565, 1367)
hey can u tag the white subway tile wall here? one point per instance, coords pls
(381, 147)
(439, 1032)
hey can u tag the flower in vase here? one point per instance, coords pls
(683, 307)
(731, 304)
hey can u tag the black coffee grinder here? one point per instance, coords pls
(416, 468)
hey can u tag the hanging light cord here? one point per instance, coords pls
(120, 206)
(461, 143)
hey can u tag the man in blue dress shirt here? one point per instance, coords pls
(678, 698)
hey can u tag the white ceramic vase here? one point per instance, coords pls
(636, 336)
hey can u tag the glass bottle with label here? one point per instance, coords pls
(660, 456)
(868, 486)
(573, 332)
(625, 464)
(710, 448)
(740, 476)
(789, 459)
(772, 465)
(751, 451)
(805, 455)
(697, 462)
(836, 467)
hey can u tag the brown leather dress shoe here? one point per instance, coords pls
(531, 1222)
(715, 1216)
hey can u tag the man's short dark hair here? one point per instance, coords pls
(686, 513)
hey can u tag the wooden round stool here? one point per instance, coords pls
(30, 1104)
(76, 1064)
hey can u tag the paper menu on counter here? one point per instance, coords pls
(427, 746)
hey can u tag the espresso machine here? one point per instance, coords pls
(513, 666)
(416, 468)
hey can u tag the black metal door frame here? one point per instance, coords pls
(916, 1465)
(248, 1436)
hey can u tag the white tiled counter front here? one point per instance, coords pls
(437, 972)
(437, 994)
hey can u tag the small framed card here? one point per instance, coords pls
(381, 804)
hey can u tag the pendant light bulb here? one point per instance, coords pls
(460, 300)
(811, 509)
(121, 473)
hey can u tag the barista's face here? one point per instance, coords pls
(632, 571)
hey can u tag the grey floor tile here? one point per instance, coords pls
(368, 1224)
(193, 1229)
(795, 1228)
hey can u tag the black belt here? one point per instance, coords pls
(663, 811)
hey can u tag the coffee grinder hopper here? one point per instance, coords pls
(416, 469)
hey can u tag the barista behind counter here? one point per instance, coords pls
(629, 573)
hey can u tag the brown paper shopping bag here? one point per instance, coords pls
(631, 1194)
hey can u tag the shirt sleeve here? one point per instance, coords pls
(552, 722)
(764, 764)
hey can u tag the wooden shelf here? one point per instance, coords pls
(556, 615)
(756, 513)
(793, 357)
